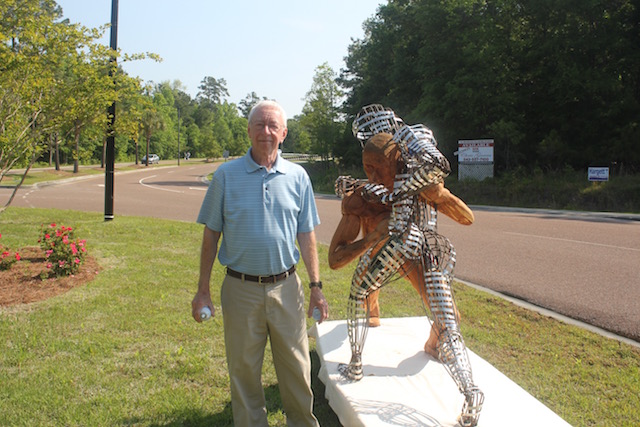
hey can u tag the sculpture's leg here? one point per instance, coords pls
(451, 348)
(374, 309)
(371, 274)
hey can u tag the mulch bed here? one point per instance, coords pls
(23, 283)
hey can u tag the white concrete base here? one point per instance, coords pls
(403, 386)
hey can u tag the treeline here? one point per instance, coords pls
(57, 83)
(554, 83)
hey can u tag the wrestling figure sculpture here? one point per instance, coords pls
(396, 210)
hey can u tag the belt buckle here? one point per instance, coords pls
(264, 279)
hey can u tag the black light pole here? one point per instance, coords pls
(178, 136)
(111, 143)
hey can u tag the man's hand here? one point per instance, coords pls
(317, 299)
(200, 301)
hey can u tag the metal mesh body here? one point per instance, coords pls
(373, 272)
(346, 185)
(412, 239)
(424, 163)
(374, 119)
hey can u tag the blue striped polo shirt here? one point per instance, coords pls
(259, 213)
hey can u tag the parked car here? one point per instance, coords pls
(153, 158)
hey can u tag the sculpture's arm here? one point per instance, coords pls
(345, 245)
(425, 165)
(345, 185)
(448, 204)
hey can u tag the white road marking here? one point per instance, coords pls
(573, 241)
(141, 182)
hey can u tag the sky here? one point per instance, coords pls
(271, 48)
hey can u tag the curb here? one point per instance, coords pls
(561, 213)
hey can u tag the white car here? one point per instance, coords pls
(153, 158)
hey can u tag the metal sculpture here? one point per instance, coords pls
(412, 246)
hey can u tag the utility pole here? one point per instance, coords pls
(111, 138)
(178, 136)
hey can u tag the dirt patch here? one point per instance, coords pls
(23, 283)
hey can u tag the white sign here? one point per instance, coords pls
(475, 151)
(599, 174)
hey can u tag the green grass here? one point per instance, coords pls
(123, 349)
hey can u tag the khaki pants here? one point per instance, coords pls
(253, 312)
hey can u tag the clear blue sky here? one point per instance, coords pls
(268, 47)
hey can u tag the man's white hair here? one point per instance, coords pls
(268, 103)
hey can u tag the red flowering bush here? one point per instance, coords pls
(7, 258)
(63, 253)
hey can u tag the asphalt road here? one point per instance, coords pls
(584, 266)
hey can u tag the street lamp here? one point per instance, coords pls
(178, 136)
(111, 144)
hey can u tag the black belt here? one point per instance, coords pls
(262, 279)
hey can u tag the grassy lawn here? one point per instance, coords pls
(123, 349)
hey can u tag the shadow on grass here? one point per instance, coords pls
(195, 418)
(198, 417)
(323, 412)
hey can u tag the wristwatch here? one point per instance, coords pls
(315, 285)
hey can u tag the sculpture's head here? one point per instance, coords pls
(381, 159)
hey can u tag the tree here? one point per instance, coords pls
(129, 113)
(248, 102)
(26, 79)
(212, 90)
(298, 139)
(238, 142)
(152, 121)
(36, 78)
(90, 92)
(320, 113)
(553, 83)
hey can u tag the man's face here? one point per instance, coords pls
(379, 169)
(267, 130)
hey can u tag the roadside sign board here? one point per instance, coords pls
(598, 174)
(475, 151)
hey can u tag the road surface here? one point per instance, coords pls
(583, 266)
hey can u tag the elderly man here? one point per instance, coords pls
(260, 204)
